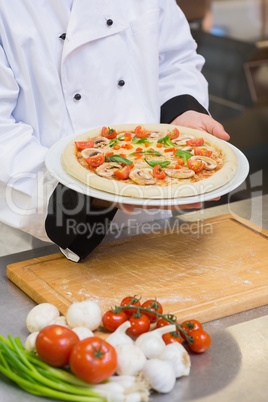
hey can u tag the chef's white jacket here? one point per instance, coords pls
(50, 52)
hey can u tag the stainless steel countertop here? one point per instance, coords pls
(234, 368)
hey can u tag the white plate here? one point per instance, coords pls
(53, 164)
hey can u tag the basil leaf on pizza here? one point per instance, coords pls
(184, 155)
(155, 163)
(166, 141)
(117, 161)
(143, 140)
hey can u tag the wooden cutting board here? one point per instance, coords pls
(204, 270)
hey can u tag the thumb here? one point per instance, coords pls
(127, 208)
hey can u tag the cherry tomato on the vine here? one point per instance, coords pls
(153, 306)
(202, 340)
(112, 320)
(93, 360)
(140, 324)
(54, 344)
(171, 337)
(133, 301)
(193, 324)
(162, 322)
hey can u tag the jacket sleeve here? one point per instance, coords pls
(25, 185)
(182, 86)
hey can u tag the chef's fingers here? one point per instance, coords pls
(128, 208)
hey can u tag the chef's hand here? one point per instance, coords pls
(203, 122)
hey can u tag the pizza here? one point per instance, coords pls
(150, 161)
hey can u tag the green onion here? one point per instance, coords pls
(184, 155)
(155, 163)
(36, 377)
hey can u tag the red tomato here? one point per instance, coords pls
(84, 144)
(93, 360)
(202, 151)
(195, 142)
(202, 341)
(133, 302)
(54, 344)
(127, 146)
(109, 154)
(195, 165)
(158, 172)
(190, 325)
(162, 322)
(112, 320)
(170, 150)
(171, 337)
(127, 137)
(109, 133)
(152, 305)
(140, 132)
(174, 134)
(193, 324)
(123, 174)
(96, 160)
(139, 325)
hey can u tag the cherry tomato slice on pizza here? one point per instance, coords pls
(108, 132)
(174, 134)
(195, 165)
(96, 160)
(202, 151)
(84, 144)
(140, 132)
(123, 174)
(195, 142)
(158, 172)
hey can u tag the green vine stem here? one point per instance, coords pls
(117, 310)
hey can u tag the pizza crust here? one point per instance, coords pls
(185, 189)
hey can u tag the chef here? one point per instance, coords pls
(68, 66)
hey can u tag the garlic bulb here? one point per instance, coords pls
(59, 321)
(82, 332)
(119, 336)
(30, 342)
(178, 357)
(40, 316)
(130, 359)
(84, 314)
(151, 343)
(160, 375)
